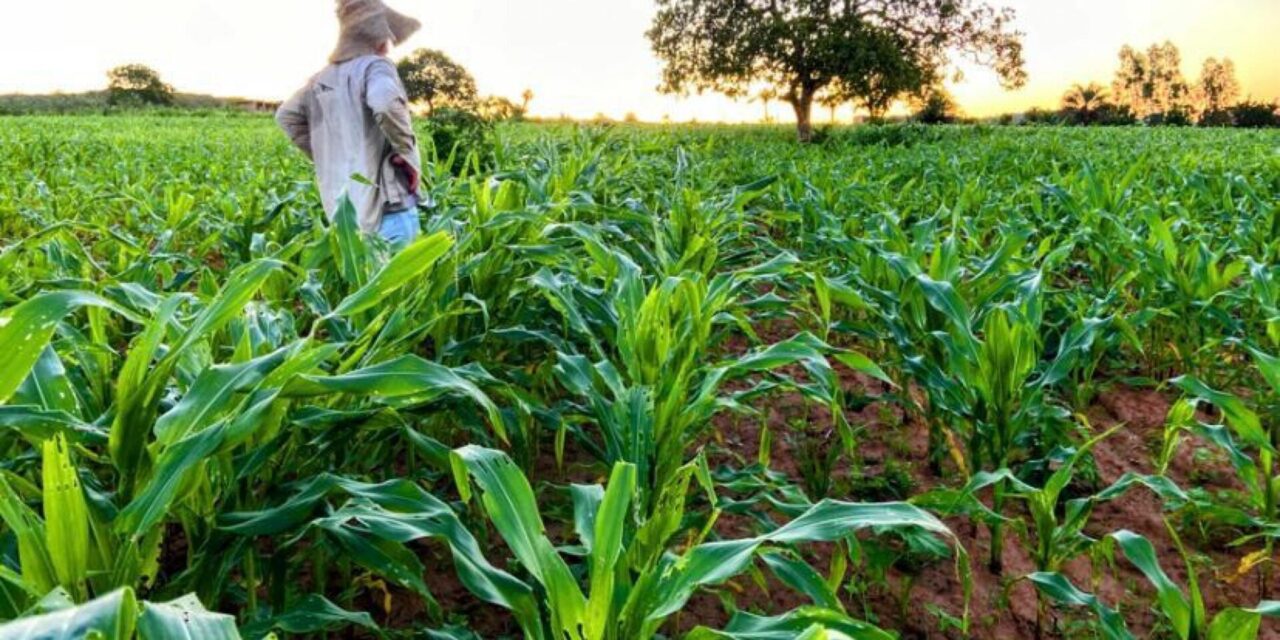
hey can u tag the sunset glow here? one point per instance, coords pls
(580, 57)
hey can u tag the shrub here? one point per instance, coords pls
(1255, 115)
(1036, 115)
(1176, 117)
(456, 134)
(1113, 115)
(1216, 118)
(937, 107)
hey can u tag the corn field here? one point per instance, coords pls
(642, 382)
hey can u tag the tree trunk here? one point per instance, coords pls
(803, 105)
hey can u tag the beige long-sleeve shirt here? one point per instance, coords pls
(350, 119)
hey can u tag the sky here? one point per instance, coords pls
(580, 57)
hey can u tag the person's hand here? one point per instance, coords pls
(407, 171)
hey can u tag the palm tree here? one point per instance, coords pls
(527, 97)
(832, 102)
(767, 95)
(1082, 102)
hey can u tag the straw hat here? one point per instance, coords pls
(366, 24)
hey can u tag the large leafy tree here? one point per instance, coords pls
(881, 67)
(863, 49)
(137, 84)
(433, 78)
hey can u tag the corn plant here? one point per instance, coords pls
(657, 389)
(631, 594)
(1183, 608)
(1250, 438)
(120, 616)
(1055, 533)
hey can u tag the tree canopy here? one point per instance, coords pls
(868, 51)
(433, 78)
(1151, 82)
(138, 84)
(1218, 87)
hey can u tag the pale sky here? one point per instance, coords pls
(580, 57)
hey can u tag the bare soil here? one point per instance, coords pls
(913, 599)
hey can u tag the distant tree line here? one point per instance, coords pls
(1149, 88)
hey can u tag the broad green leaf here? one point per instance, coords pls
(407, 265)
(1057, 588)
(405, 381)
(1172, 601)
(48, 386)
(509, 501)
(184, 619)
(110, 617)
(798, 575)
(26, 328)
(606, 550)
(376, 523)
(809, 623)
(66, 516)
(1245, 422)
(38, 572)
(211, 396)
(312, 614)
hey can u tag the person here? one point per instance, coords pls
(352, 119)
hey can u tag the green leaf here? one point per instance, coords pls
(211, 396)
(66, 516)
(1056, 587)
(111, 617)
(1172, 601)
(509, 501)
(405, 267)
(25, 330)
(377, 522)
(1245, 422)
(48, 386)
(184, 619)
(405, 381)
(38, 573)
(862, 364)
(809, 623)
(313, 614)
(610, 525)
(798, 575)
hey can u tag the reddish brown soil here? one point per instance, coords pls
(889, 437)
(1004, 607)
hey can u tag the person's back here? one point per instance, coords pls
(352, 118)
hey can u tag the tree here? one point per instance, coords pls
(499, 108)
(137, 84)
(1218, 87)
(831, 101)
(802, 48)
(767, 95)
(1151, 83)
(1082, 104)
(525, 99)
(935, 106)
(433, 78)
(885, 70)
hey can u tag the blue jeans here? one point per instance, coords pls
(400, 228)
